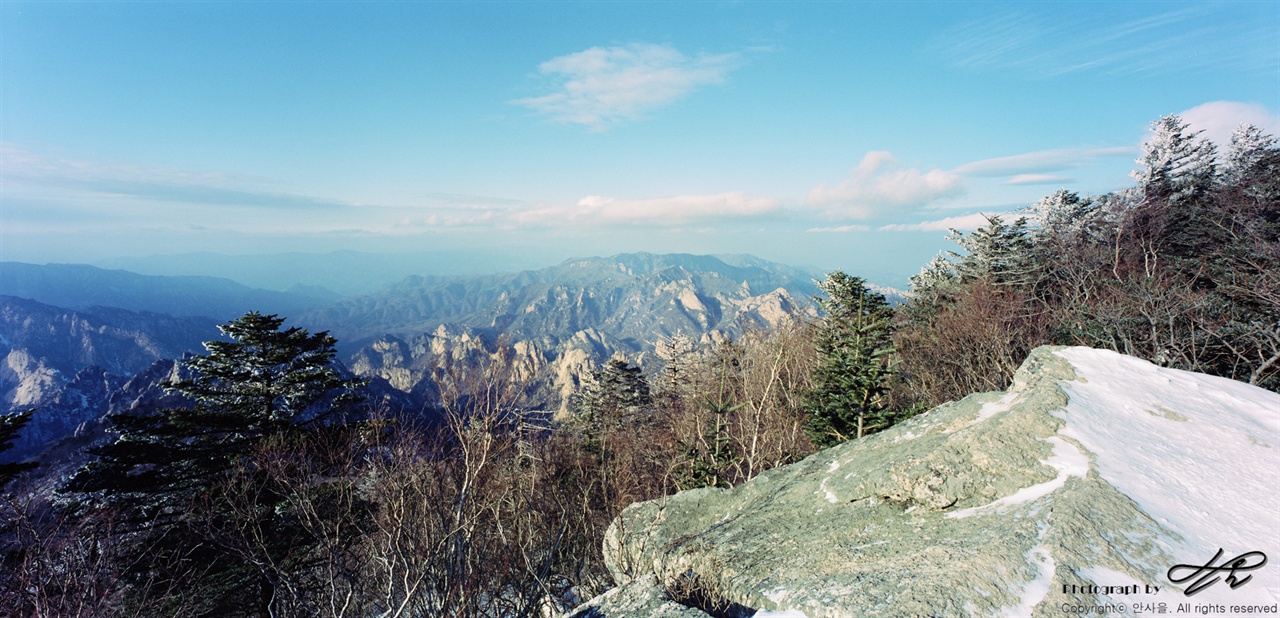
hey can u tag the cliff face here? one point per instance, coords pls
(1094, 469)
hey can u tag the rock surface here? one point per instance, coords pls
(1094, 469)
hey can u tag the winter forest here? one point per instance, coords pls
(266, 481)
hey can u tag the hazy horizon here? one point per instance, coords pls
(352, 273)
(830, 135)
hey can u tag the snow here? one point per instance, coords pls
(1036, 589)
(993, 408)
(1066, 459)
(778, 595)
(906, 436)
(1200, 455)
(830, 496)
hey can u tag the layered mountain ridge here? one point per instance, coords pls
(562, 319)
(559, 322)
(632, 297)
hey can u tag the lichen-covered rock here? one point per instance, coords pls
(643, 596)
(1093, 469)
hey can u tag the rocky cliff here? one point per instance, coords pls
(1077, 491)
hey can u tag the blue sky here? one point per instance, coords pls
(837, 135)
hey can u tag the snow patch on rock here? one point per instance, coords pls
(1066, 459)
(1197, 453)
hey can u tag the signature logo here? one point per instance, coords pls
(1240, 563)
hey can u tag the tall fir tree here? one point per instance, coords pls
(854, 348)
(1177, 164)
(10, 425)
(185, 485)
(998, 253)
(263, 381)
(617, 395)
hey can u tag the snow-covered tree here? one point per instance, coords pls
(678, 354)
(1253, 164)
(615, 396)
(1249, 145)
(1063, 214)
(1177, 164)
(937, 274)
(998, 253)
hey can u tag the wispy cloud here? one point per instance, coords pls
(963, 222)
(839, 229)
(1199, 38)
(123, 181)
(1039, 179)
(1041, 162)
(879, 185)
(662, 211)
(602, 86)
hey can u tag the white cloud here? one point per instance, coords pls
(1039, 179)
(962, 222)
(676, 210)
(839, 229)
(605, 85)
(879, 184)
(1219, 118)
(1040, 162)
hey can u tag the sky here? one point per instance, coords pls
(827, 134)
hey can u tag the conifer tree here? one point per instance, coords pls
(1253, 165)
(616, 395)
(998, 253)
(264, 381)
(10, 425)
(854, 347)
(1177, 164)
(184, 479)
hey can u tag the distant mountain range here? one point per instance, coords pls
(79, 286)
(72, 336)
(346, 273)
(634, 298)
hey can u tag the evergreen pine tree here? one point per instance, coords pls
(1253, 165)
(998, 253)
(616, 395)
(1063, 214)
(854, 347)
(262, 382)
(1176, 178)
(183, 481)
(10, 425)
(1177, 164)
